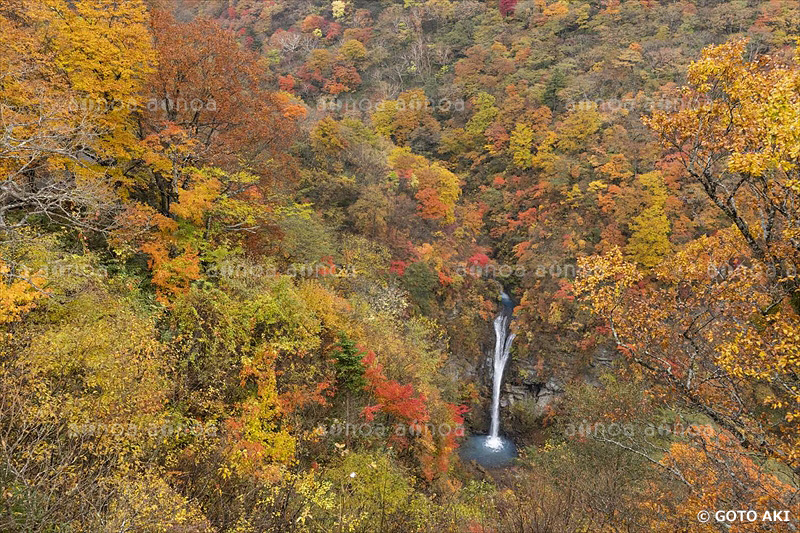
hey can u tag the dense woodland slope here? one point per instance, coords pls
(250, 251)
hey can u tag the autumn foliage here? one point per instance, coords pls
(251, 252)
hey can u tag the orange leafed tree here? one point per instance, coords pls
(209, 86)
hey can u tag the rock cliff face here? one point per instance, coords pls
(540, 395)
(532, 388)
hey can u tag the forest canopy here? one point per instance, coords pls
(252, 252)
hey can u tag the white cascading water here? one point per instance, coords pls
(502, 349)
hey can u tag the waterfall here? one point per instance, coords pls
(494, 451)
(502, 349)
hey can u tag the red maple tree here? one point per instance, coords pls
(507, 7)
